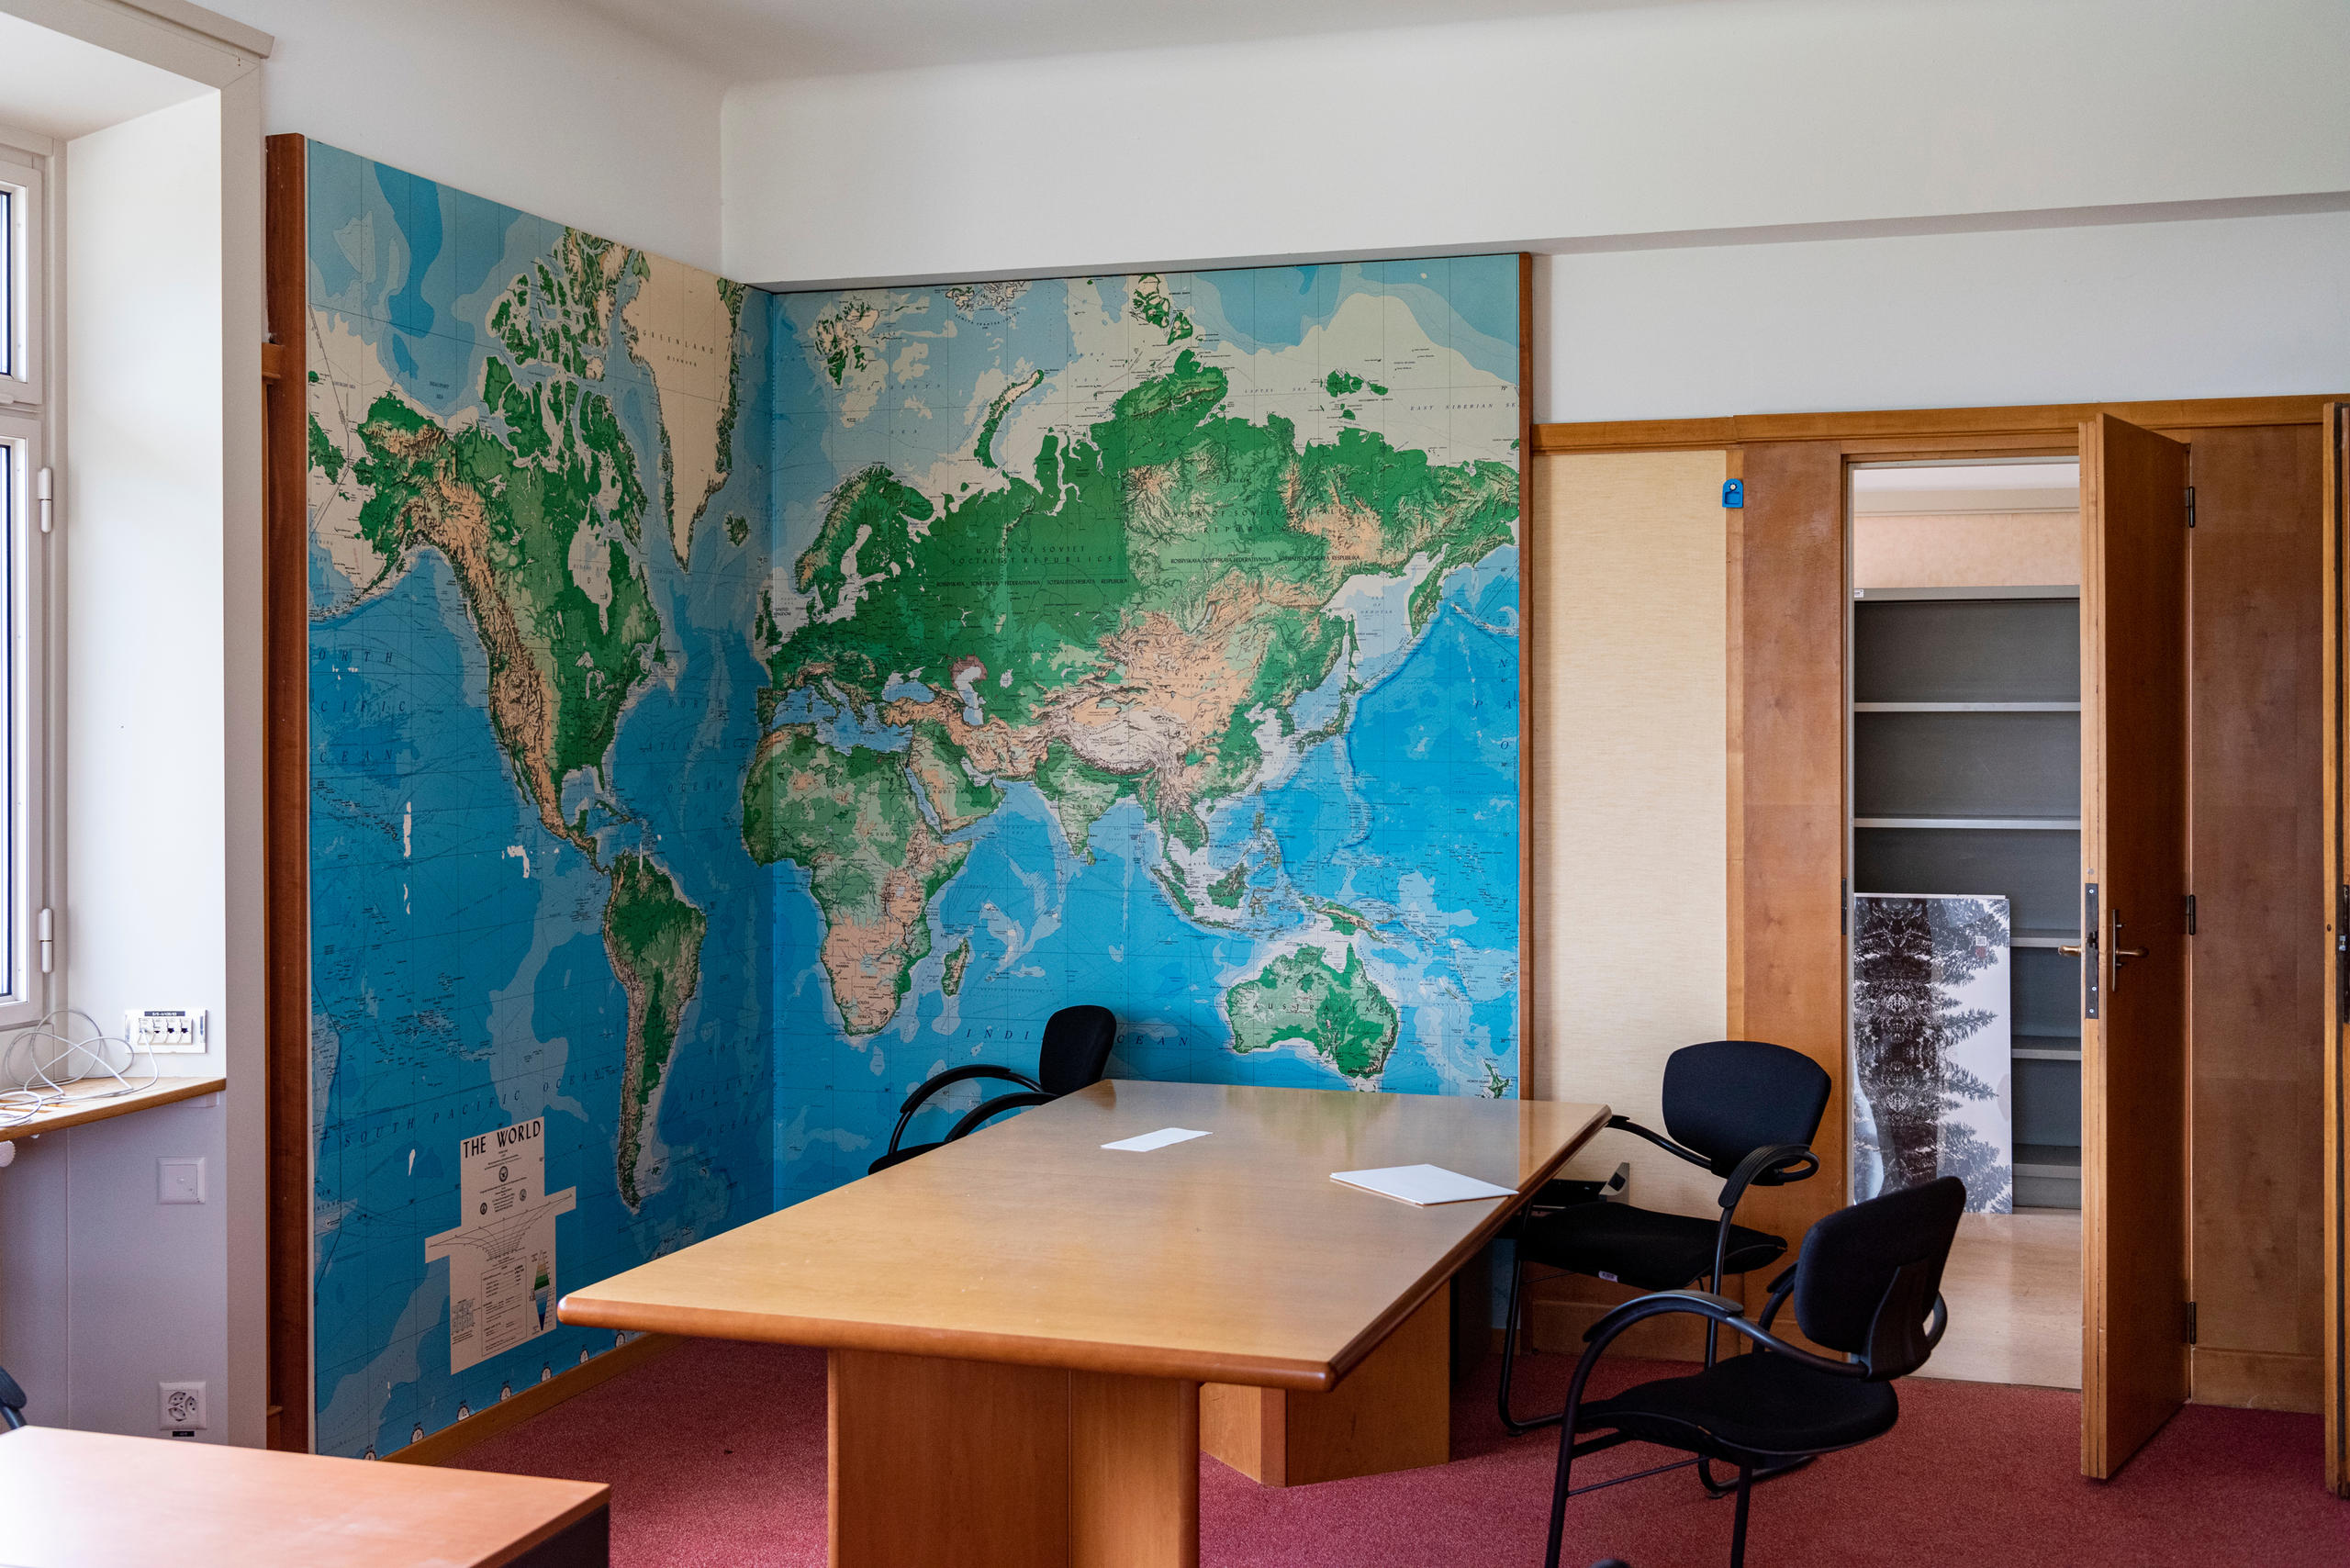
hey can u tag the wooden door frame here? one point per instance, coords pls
(1782, 806)
(2335, 420)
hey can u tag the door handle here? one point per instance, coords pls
(2070, 950)
(2120, 954)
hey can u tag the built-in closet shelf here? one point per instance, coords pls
(2027, 825)
(1966, 706)
(2061, 1162)
(2044, 1053)
(2052, 590)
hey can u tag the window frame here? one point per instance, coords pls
(28, 447)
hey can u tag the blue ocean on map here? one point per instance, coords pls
(463, 970)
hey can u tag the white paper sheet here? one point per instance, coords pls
(1143, 1143)
(1422, 1184)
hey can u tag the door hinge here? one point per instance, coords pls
(48, 942)
(2190, 1323)
(1844, 907)
(42, 489)
(2190, 506)
(2190, 914)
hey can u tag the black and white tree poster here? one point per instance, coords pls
(1930, 1038)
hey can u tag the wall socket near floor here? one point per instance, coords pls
(165, 1031)
(183, 1412)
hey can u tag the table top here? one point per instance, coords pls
(93, 1099)
(1233, 1258)
(95, 1500)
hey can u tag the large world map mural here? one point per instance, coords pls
(729, 708)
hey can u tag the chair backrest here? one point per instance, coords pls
(1867, 1276)
(12, 1401)
(1076, 1049)
(1724, 1099)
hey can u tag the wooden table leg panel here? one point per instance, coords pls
(1392, 1412)
(1134, 1486)
(982, 1465)
(935, 1461)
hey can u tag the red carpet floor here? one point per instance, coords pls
(716, 1457)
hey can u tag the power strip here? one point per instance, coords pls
(165, 1031)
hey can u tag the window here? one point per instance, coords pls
(25, 345)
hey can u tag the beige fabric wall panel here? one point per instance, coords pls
(1627, 622)
(2034, 549)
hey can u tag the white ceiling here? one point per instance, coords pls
(760, 40)
(63, 87)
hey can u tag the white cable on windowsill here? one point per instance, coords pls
(32, 1082)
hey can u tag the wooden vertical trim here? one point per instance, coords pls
(1528, 743)
(2335, 467)
(285, 813)
(1789, 828)
(1734, 714)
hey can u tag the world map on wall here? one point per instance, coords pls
(537, 551)
(729, 709)
(1150, 641)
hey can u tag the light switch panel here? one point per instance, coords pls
(179, 1181)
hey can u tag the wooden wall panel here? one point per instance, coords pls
(286, 836)
(1627, 610)
(2028, 549)
(1789, 785)
(2256, 830)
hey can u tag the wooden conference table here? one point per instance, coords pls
(1019, 1322)
(95, 1500)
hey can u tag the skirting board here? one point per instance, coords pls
(441, 1447)
(2259, 1380)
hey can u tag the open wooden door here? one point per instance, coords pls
(2134, 1367)
(2336, 1179)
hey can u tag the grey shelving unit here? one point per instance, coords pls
(1966, 779)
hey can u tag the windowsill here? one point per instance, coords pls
(82, 1103)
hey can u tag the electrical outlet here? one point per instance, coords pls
(183, 1407)
(165, 1031)
(179, 1180)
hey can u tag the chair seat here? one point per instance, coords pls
(1641, 1247)
(899, 1157)
(1761, 1404)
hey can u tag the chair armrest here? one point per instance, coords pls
(954, 1075)
(1771, 1166)
(1721, 1310)
(979, 1113)
(1626, 1125)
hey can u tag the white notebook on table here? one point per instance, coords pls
(1422, 1184)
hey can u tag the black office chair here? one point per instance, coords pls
(1867, 1281)
(12, 1401)
(1076, 1049)
(1746, 1110)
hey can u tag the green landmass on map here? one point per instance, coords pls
(564, 654)
(1154, 588)
(1227, 891)
(850, 819)
(1340, 1014)
(956, 797)
(652, 936)
(951, 966)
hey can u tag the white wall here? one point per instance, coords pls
(542, 105)
(1539, 134)
(2229, 308)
